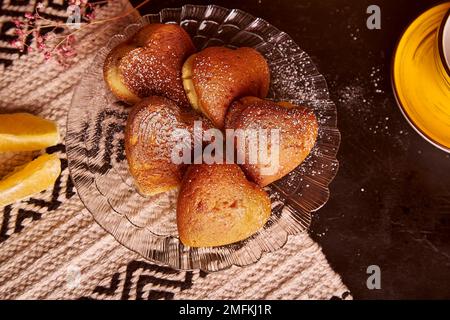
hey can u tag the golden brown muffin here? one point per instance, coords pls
(149, 143)
(217, 205)
(149, 63)
(216, 76)
(297, 133)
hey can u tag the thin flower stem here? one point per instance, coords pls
(106, 20)
(63, 40)
(32, 26)
(123, 15)
(99, 2)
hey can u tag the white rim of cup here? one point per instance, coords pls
(444, 42)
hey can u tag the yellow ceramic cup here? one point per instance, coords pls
(421, 76)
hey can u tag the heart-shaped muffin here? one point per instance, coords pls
(217, 205)
(153, 141)
(285, 134)
(216, 76)
(149, 63)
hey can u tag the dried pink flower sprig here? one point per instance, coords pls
(56, 39)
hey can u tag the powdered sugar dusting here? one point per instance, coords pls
(131, 218)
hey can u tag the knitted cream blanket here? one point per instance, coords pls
(51, 248)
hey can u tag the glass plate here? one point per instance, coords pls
(147, 225)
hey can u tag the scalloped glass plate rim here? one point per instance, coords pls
(124, 34)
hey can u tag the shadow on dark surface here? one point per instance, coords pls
(390, 203)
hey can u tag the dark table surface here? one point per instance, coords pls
(390, 202)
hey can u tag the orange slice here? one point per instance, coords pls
(26, 132)
(33, 177)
